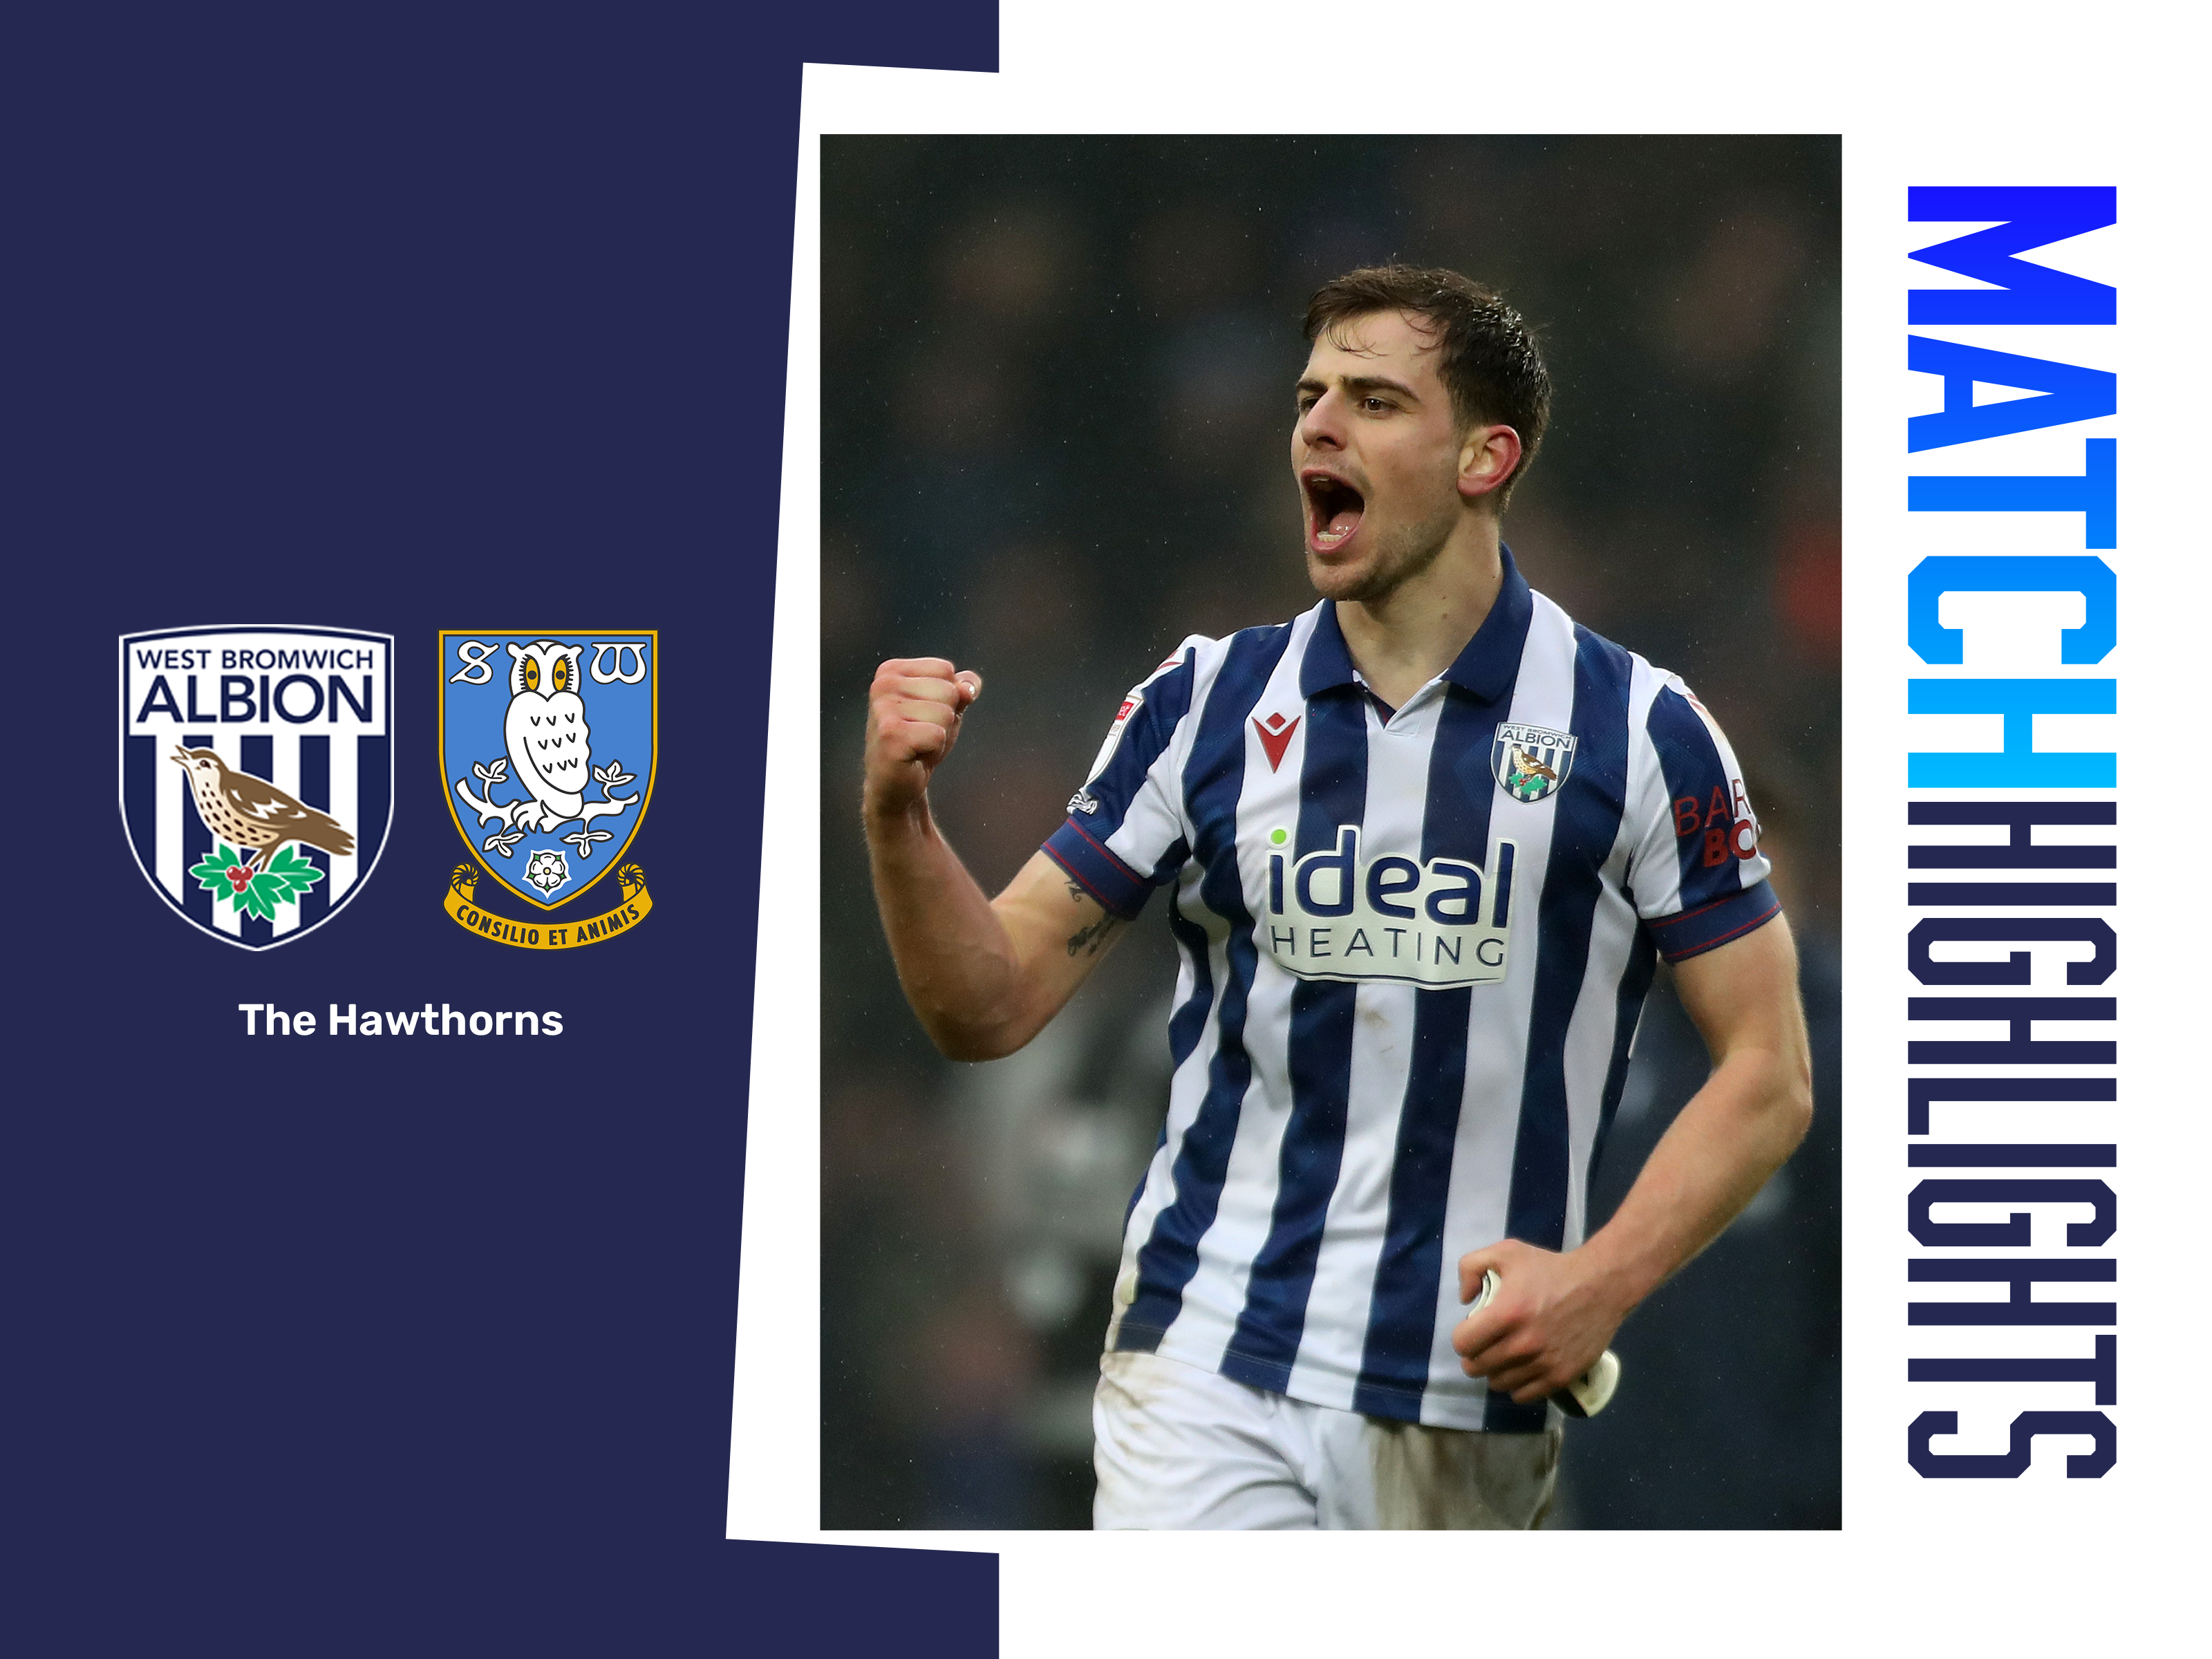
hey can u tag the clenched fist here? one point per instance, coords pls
(914, 709)
(1553, 1316)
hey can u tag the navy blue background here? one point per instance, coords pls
(332, 1346)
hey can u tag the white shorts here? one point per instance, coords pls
(1178, 1447)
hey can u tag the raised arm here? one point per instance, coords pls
(1554, 1314)
(984, 975)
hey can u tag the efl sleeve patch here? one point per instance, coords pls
(1708, 927)
(1127, 815)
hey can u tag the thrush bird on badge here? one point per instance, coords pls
(252, 813)
(1526, 765)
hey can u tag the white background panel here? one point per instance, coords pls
(2031, 95)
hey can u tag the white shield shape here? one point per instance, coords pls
(255, 772)
(1531, 762)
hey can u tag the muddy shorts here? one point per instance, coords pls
(1179, 1447)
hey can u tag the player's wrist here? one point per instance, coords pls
(893, 817)
(1617, 1277)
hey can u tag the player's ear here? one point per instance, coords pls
(1487, 459)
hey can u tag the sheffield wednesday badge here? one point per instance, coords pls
(1531, 762)
(546, 742)
(256, 772)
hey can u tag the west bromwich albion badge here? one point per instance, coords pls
(255, 772)
(1531, 762)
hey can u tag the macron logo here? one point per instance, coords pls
(1275, 734)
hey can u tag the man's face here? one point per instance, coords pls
(1375, 452)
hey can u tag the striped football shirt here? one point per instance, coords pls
(1414, 946)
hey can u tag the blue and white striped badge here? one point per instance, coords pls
(1531, 762)
(255, 772)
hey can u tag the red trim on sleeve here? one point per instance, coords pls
(1772, 911)
(1108, 852)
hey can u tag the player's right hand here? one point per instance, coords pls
(914, 709)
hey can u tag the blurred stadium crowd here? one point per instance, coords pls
(1057, 399)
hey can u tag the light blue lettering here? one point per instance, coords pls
(2019, 764)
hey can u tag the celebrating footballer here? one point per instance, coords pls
(1422, 848)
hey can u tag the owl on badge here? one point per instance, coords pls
(547, 738)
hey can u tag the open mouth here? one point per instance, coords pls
(1332, 510)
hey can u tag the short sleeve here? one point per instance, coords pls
(1125, 830)
(1697, 872)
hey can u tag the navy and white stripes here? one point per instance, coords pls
(1414, 949)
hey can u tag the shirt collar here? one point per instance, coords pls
(1485, 667)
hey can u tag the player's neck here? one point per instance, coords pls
(1402, 640)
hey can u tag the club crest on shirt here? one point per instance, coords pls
(1531, 762)
(547, 748)
(256, 772)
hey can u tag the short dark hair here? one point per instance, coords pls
(1489, 363)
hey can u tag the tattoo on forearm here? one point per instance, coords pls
(1086, 941)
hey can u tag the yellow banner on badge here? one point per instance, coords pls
(460, 905)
